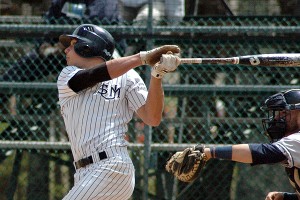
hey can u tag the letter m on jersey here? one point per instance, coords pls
(109, 93)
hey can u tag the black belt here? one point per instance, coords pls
(89, 160)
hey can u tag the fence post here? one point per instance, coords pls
(148, 129)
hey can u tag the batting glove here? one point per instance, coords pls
(153, 56)
(168, 63)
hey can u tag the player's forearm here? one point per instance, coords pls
(248, 153)
(239, 153)
(120, 66)
(154, 103)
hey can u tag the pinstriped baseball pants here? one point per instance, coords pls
(109, 179)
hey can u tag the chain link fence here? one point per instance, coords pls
(211, 104)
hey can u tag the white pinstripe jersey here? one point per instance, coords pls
(96, 118)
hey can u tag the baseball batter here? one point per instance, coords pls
(283, 128)
(98, 97)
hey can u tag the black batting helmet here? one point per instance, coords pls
(92, 41)
(275, 124)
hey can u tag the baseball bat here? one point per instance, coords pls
(280, 60)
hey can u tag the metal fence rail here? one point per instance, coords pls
(39, 145)
(29, 29)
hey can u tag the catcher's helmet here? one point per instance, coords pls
(92, 41)
(275, 124)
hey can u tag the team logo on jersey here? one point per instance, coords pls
(107, 92)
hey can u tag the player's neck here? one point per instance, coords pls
(91, 62)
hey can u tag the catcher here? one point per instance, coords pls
(282, 127)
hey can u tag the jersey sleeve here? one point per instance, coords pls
(290, 146)
(136, 91)
(266, 154)
(62, 82)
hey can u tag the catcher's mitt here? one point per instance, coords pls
(186, 165)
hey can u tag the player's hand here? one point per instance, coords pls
(274, 196)
(153, 56)
(168, 63)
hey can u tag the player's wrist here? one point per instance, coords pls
(290, 196)
(210, 152)
(143, 57)
(222, 152)
(157, 73)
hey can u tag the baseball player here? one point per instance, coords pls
(98, 97)
(283, 128)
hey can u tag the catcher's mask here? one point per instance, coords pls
(278, 107)
(92, 41)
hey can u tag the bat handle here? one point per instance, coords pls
(183, 60)
(190, 60)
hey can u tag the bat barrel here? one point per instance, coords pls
(279, 60)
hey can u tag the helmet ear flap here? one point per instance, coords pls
(83, 49)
